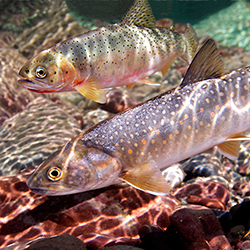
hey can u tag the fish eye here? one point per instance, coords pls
(41, 72)
(55, 173)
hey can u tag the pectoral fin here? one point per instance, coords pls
(147, 178)
(90, 89)
(230, 148)
(164, 70)
(130, 86)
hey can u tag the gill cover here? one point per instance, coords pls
(47, 72)
(73, 169)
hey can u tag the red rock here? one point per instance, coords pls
(164, 22)
(99, 217)
(118, 101)
(208, 193)
(242, 189)
(198, 228)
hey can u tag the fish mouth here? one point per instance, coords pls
(30, 84)
(38, 191)
(51, 192)
(35, 86)
(36, 186)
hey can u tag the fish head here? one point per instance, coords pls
(73, 169)
(47, 72)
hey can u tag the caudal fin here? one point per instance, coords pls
(192, 41)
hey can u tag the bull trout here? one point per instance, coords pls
(116, 55)
(207, 109)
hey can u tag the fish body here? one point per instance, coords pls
(116, 55)
(134, 145)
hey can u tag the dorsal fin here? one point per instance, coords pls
(207, 64)
(140, 14)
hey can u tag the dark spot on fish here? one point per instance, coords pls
(66, 72)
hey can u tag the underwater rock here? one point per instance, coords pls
(17, 15)
(111, 215)
(227, 27)
(191, 227)
(62, 242)
(174, 175)
(198, 228)
(53, 27)
(118, 100)
(242, 189)
(13, 97)
(205, 164)
(238, 226)
(207, 193)
(30, 136)
(120, 247)
(94, 116)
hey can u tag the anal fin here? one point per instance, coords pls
(147, 178)
(90, 89)
(230, 149)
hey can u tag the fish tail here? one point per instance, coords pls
(192, 42)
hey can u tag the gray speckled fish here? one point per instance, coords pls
(207, 109)
(116, 55)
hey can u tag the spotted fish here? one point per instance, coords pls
(116, 55)
(207, 109)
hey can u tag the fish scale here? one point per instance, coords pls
(116, 55)
(134, 145)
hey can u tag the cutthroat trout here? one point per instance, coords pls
(116, 55)
(207, 109)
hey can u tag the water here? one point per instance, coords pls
(30, 26)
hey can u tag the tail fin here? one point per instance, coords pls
(192, 41)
